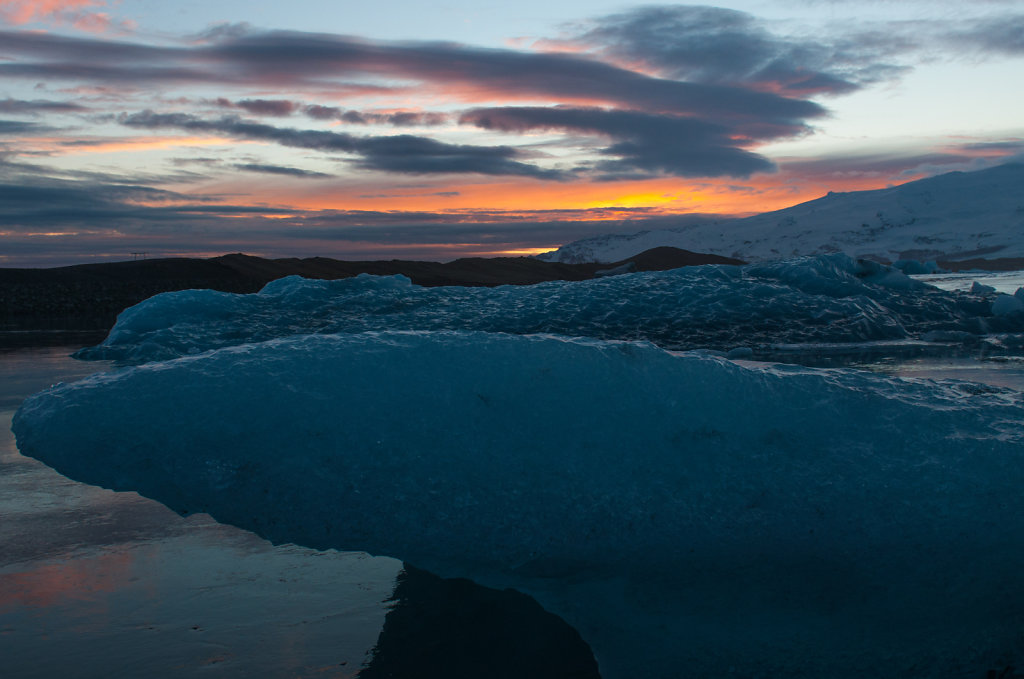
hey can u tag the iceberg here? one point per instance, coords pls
(1005, 305)
(688, 515)
(828, 299)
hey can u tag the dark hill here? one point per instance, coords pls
(91, 295)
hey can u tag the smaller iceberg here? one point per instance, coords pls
(829, 299)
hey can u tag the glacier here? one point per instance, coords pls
(953, 216)
(826, 299)
(687, 514)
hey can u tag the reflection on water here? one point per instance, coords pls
(1006, 282)
(205, 601)
(97, 584)
(998, 371)
(26, 370)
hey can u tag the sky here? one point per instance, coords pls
(473, 128)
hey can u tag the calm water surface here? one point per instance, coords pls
(101, 584)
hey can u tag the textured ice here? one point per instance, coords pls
(825, 299)
(1005, 305)
(688, 515)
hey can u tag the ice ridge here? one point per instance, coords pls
(827, 299)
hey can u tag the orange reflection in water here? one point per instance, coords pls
(50, 584)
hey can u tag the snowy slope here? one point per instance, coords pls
(953, 216)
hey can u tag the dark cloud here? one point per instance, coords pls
(293, 59)
(197, 161)
(60, 203)
(412, 118)
(55, 48)
(1004, 147)
(642, 142)
(1002, 34)
(399, 119)
(443, 194)
(38, 106)
(9, 127)
(283, 108)
(318, 112)
(262, 107)
(401, 153)
(278, 169)
(126, 76)
(721, 46)
(420, 155)
(279, 55)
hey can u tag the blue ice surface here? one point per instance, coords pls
(824, 300)
(688, 515)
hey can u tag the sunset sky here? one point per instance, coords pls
(408, 130)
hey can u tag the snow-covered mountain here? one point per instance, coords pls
(954, 216)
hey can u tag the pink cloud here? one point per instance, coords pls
(92, 22)
(74, 12)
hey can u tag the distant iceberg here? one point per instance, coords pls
(689, 516)
(828, 299)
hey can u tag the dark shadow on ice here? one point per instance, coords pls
(457, 629)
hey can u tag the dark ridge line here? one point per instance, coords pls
(89, 296)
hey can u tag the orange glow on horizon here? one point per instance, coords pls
(659, 196)
(522, 252)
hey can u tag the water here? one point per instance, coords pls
(97, 584)
(1006, 282)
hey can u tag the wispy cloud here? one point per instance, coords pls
(282, 108)
(714, 45)
(13, 127)
(400, 153)
(39, 106)
(1000, 35)
(280, 170)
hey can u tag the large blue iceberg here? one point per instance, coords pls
(688, 515)
(831, 299)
